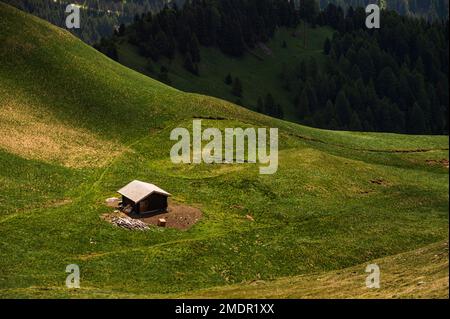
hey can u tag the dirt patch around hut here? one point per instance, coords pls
(178, 216)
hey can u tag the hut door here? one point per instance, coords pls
(145, 206)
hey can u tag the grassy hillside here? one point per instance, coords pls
(421, 273)
(77, 126)
(258, 70)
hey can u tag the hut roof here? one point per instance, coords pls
(137, 190)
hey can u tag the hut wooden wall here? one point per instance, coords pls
(152, 203)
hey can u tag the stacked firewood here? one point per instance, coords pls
(128, 223)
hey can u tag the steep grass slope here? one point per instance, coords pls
(76, 126)
(421, 273)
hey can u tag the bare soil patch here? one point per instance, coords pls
(380, 181)
(443, 162)
(177, 216)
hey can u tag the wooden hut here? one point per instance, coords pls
(144, 197)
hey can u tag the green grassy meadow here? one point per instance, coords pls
(76, 126)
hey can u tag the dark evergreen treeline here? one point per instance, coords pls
(98, 18)
(232, 25)
(394, 79)
(428, 9)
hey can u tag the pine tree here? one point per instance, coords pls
(365, 64)
(279, 111)
(327, 47)
(121, 29)
(416, 123)
(269, 104)
(329, 113)
(163, 75)
(189, 64)
(149, 67)
(313, 68)
(303, 105)
(355, 122)
(387, 83)
(237, 87)
(356, 73)
(194, 49)
(228, 79)
(303, 71)
(343, 108)
(312, 98)
(260, 105)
